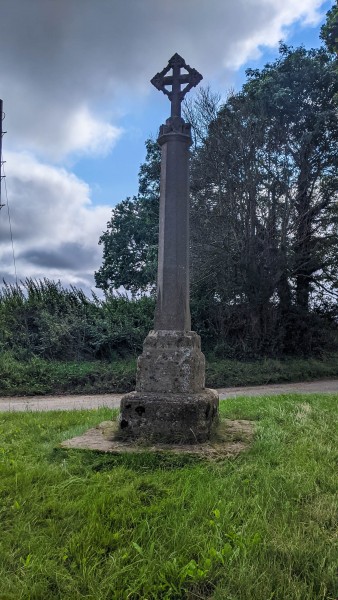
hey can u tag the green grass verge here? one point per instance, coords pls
(222, 373)
(38, 376)
(78, 524)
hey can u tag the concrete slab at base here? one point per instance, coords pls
(229, 439)
(167, 417)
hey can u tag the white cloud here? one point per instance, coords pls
(78, 133)
(55, 226)
(283, 13)
(87, 134)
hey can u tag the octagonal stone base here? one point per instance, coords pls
(181, 418)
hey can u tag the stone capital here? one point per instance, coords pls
(175, 129)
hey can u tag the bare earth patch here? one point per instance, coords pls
(230, 438)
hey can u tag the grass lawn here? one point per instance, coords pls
(260, 526)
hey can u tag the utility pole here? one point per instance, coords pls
(2, 133)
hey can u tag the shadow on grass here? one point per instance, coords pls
(82, 460)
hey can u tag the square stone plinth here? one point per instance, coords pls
(167, 417)
(171, 362)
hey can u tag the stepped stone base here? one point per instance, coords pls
(170, 404)
(167, 417)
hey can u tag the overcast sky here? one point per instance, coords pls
(74, 78)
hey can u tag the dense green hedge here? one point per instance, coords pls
(44, 319)
(38, 376)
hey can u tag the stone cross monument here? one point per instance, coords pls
(170, 403)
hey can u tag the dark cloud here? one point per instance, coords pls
(55, 226)
(67, 257)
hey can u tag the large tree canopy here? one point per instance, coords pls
(263, 210)
(329, 31)
(265, 188)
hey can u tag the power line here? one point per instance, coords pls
(2, 116)
(3, 177)
(10, 228)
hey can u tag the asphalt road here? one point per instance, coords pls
(79, 402)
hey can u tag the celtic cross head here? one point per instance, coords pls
(190, 78)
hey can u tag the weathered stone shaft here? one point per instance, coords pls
(172, 309)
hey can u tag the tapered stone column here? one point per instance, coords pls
(172, 308)
(170, 403)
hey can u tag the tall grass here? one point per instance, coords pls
(38, 376)
(42, 318)
(78, 524)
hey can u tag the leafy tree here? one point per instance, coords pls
(296, 94)
(264, 217)
(131, 239)
(329, 31)
(264, 186)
